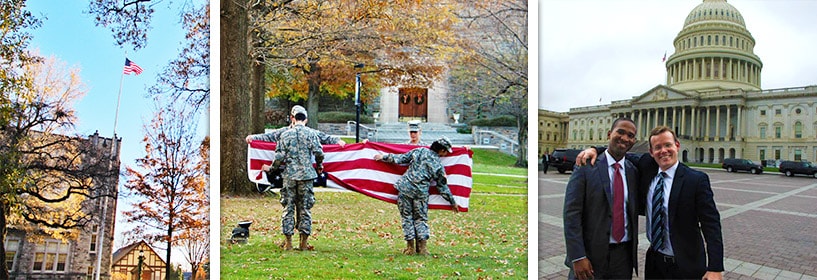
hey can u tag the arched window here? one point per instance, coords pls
(590, 134)
(798, 130)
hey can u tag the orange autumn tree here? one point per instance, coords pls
(170, 184)
(311, 47)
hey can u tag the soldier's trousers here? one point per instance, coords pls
(297, 198)
(414, 215)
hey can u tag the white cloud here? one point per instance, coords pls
(613, 49)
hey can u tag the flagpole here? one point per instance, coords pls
(103, 217)
(118, 97)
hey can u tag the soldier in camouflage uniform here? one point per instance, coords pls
(275, 134)
(415, 131)
(295, 148)
(412, 198)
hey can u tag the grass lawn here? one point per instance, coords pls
(357, 237)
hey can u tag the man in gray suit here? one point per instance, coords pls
(600, 218)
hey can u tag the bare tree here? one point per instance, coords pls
(493, 75)
(169, 179)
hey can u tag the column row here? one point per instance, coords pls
(714, 68)
(697, 123)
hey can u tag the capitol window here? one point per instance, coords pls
(798, 130)
(777, 112)
(762, 113)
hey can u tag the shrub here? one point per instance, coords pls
(498, 121)
(341, 117)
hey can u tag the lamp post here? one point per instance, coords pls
(141, 260)
(357, 102)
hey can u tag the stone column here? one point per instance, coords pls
(683, 120)
(738, 132)
(717, 123)
(728, 122)
(707, 125)
(692, 132)
(665, 115)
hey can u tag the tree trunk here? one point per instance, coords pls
(257, 115)
(235, 97)
(522, 135)
(169, 248)
(4, 271)
(313, 100)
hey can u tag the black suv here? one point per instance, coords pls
(790, 168)
(564, 159)
(735, 164)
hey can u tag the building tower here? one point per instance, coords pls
(714, 51)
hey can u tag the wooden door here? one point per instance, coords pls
(413, 104)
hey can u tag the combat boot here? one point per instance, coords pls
(304, 246)
(287, 245)
(409, 248)
(421, 247)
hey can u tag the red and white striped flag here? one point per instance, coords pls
(131, 67)
(354, 168)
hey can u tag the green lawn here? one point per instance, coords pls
(357, 237)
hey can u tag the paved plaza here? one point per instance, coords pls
(769, 225)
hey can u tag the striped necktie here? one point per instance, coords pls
(659, 215)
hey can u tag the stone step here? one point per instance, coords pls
(398, 133)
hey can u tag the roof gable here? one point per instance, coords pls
(661, 93)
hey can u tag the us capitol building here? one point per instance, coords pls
(712, 99)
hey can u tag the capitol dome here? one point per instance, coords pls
(714, 10)
(714, 51)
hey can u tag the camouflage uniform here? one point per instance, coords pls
(295, 149)
(275, 135)
(412, 198)
(420, 143)
(414, 126)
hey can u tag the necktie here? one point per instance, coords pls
(618, 204)
(659, 215)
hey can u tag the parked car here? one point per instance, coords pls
(564, 159)
(791, 168)
(740, 164)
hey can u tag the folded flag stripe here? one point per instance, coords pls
(353, 168)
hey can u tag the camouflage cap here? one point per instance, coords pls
(298, 109)
(414, 126)
(445, 143)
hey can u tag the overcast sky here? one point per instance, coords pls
(612, 50)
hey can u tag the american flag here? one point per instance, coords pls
(131, 67)
(353, 168)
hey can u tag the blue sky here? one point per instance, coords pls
(612, 50)
(69, 34)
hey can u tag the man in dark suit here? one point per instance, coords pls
(680, 211)
(678, 215)
(600, 219)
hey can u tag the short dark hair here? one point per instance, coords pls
(437, 147)
(300, 117)
(622, 119)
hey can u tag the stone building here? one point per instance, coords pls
(713, 99)
(552, 131)
(36, 255)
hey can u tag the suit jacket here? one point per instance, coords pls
(588, 213)
(691, 212)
